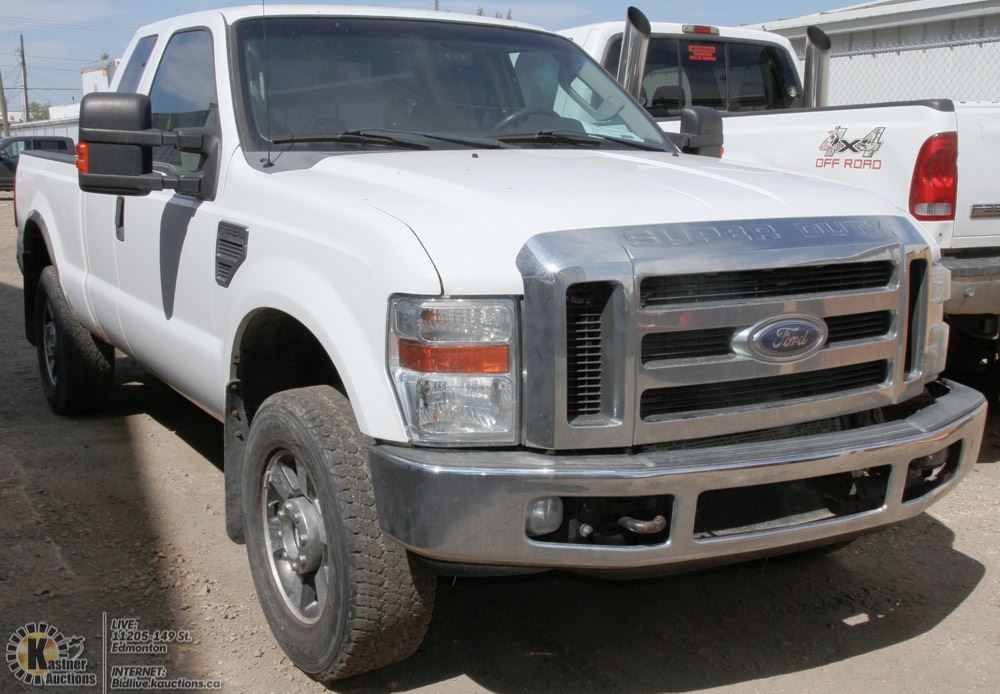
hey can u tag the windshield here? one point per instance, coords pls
(723, 74)
(315, 77)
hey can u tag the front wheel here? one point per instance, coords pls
(341, 598)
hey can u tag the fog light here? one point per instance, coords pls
(544, 516)
(929, 462)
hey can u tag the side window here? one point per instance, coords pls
(136, 64)
(183, 93)
(15, 148)
(50, 144)
(662, 84)
(759, 79)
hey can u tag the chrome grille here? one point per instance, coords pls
(769, 282)
(759, 391)
(858, 326)
(716, 342)
(687, 344)
(645, 335)
(585, 306)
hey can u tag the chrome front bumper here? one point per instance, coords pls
(469, 506)
(975, 285)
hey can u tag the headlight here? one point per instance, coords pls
(940, 284)
(936, 352)
(454, 365)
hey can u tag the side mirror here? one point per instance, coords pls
(115, 154)
(106, 163)
(701, 131)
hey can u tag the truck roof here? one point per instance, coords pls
(233, 14)
(612, 28)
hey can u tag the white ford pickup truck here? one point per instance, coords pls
(934, 159)
(462, 308)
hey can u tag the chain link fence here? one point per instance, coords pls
(899, 65)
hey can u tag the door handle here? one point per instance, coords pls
(120, 218)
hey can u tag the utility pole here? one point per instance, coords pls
(24, 81)
(435, 5)
(3, 109)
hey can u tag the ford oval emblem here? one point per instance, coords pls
(786, 338)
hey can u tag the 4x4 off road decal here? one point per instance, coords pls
(843, 152)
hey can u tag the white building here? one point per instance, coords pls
(897, 50)
(64, 120)
(96, 77)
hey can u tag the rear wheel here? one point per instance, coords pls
(341, 598)
(76, 368)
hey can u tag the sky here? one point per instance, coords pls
(60, 36)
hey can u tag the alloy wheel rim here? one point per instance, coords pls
(295, 537)
(49, 339)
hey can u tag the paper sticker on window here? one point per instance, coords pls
(702, 53)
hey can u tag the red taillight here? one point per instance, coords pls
(935, 179)
(83, 157)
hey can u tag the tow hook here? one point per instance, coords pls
(650, 527)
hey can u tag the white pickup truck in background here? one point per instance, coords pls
(462, 308)
(935, 159)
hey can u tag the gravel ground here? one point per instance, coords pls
(121, 514)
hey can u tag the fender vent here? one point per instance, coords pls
(230, 251)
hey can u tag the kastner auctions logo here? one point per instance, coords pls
(39, 654)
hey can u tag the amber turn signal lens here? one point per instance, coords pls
(83, 157)
(454, 359)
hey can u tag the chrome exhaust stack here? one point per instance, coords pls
(635, 45)
(817, 69)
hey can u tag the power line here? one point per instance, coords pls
(46, 89)
(46, 68)
(69, 60)
(67, 24)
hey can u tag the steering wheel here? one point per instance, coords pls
(519, 115)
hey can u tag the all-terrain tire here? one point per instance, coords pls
(76, 368)
(378, 602)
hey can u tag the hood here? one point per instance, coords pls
(473, 210)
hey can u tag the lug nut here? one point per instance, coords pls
(302, 560)
(303, 538)
(586, 530)
(281, 513)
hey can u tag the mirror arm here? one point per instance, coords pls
(186, 184)
(181, 139)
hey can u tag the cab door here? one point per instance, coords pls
(166, 251)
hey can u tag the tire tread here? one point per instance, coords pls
(392, 598)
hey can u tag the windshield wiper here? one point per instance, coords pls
(390, 138)
(578, 138)
(481, 142)
(362, 138)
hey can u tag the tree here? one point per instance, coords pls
(481, 11)
(37, 111)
